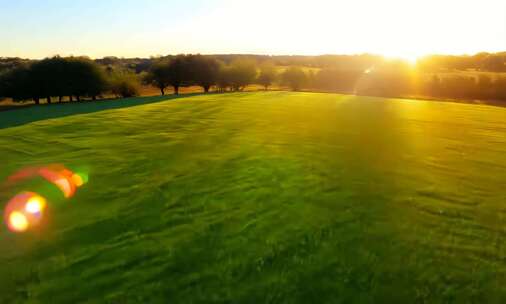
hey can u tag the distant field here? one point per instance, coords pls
(272, 197)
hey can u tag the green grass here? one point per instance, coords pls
(265, 198)
(32, 113)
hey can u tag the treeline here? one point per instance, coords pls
(57, 77)
(398, 79)
(181, 71)
(209, 72)
(487, 62)
(82, 78)
(79, 77)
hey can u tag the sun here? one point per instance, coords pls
(411, 58)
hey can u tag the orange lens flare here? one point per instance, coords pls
(65, 186)
(78, 180)
(60, 180)
(18, 222)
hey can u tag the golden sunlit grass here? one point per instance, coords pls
(258, 196)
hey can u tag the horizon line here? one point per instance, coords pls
(254, 54)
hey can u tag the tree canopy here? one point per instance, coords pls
(295, 78)
(267, 75)
(56, 76)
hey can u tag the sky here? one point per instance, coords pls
(143, 28)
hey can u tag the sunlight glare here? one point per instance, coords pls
(409, 57)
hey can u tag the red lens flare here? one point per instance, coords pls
(63, 178)
(24, 211)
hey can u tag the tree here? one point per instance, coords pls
(494, 63)
(178, 72)
(484, 87)
(16, 84)
(49, 77)
(224, 78)
(72, 76)
(294, 77)
(500, 88)
(204, 71)
(159, 76)
(84, 78)
(457, 86)
(173, 73)
(2, 85)
(435, 86)
(242, 72)
(310, 79)
(267, 75)
(90, 79)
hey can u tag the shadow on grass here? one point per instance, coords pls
(26, 114)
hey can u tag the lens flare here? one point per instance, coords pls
(24, 211)
(63, 178)
(60, 180)
(35, 205)
(22, 174)
(18, 222)
(78, 180)
(65, 186)
(27, 209)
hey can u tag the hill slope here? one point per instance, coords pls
(266, 197)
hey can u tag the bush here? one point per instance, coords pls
(124, 85)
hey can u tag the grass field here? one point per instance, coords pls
(270, 197)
